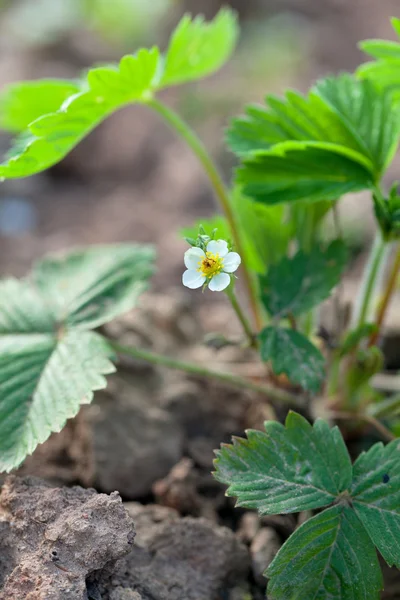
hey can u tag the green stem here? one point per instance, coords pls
(349, 416)
(230, 292)
(178, 125)
(386, 298)
(371, 280)
(273, 393)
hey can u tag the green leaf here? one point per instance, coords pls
(267, 231)
(22, 103)
(293, 354)
(90, 287)
(385, 71)
(50, 137)
(329, 556)
(339, 111)
(367, 116)
(259, 129)
(306, 219)
(55, 128)
(50, 361)
(294, 118)
(198, 48)
(287, 469)
(381, 48)
(376, 497)
(297, 284)
(43, 382)
(336, 140)
(396, 25)
(301, 171)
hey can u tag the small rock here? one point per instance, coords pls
(147, 520)
(190, 491)
(123, 594)
(263, 549)
(284, 525)
(249, 526)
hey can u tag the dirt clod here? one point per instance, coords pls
(176, 559)
(53, 538)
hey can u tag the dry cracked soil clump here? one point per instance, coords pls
(76, 544)
(53, 538)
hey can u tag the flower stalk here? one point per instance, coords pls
(371, 282)
(273, 393)
(176, 123)
(230, 292)
(387, 296)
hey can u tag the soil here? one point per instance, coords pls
(151, 434)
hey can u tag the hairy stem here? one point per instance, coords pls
(272, 393)
(371, 280)
(338, 296)
(176, 123)
(387, 296)
(230, 292)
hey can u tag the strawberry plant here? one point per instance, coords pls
(297, 156)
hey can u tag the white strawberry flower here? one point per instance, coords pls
(212, 266)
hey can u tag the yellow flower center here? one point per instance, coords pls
(211, 264)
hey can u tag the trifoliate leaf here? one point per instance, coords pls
(50, 137)
(376, 497)
(198, 48)
(301, 171)
(287, 469)
(22, 103)
(50, 363)
(328, 557)
(293, 354)
(338, 110)
(296, 284)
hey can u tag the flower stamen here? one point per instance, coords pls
(211, 264)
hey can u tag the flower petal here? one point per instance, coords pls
(218, 247)
(193, 279)
(192, 258)
(231, 262)
(219, 282)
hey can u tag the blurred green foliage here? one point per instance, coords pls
(120, 22)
